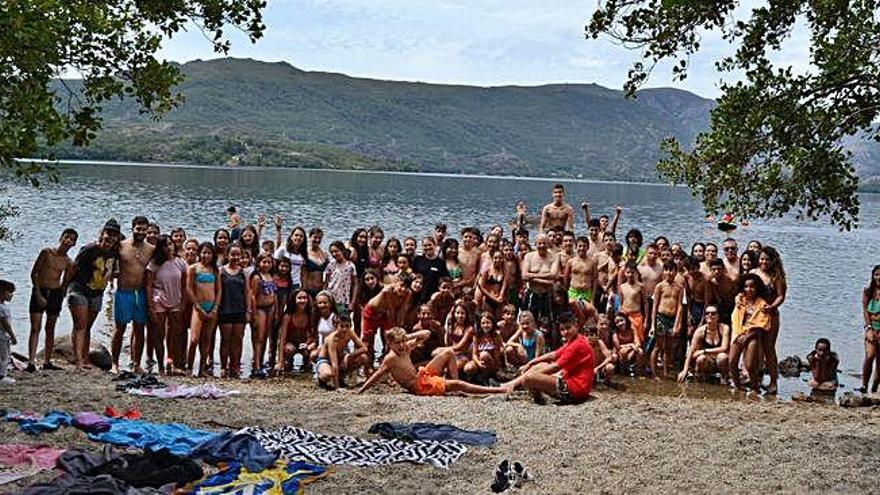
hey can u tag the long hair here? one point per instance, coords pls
(303, 246)
(872, 286)
(776, 269)
(387, 256)
(209, 246)
(254, 246)
(468, 318)
(159, 255)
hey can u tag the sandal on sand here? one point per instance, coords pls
(502, 477)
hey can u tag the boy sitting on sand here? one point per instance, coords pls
(823, 365)
(428, 380)
(333, 362)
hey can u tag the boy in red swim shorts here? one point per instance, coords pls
(428, 380)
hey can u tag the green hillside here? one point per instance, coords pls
(246, 112)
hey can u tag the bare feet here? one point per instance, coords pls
(114, 370)
(138, 370)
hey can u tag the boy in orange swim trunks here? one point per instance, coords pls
(428, 380)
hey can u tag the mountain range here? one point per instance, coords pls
(247, 112)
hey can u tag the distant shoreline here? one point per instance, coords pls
(378, 172)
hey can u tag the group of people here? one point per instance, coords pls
(530, 305)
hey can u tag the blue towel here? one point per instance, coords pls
(177, 438)
(240, 447)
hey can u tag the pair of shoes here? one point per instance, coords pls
(507, 475)
(259, 373)
(7, 380)
(51, 367)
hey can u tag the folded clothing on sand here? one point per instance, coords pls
(296, 444)
(40, 456)
(239, 447)
(433, 431)
(90, 422)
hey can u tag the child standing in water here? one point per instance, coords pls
(165, 279)
(666, 317)
(871, 313)
(234, 312)
(263, 299)
(7, 336)
(203, 288)
(823, 366)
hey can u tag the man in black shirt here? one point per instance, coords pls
(430, 266)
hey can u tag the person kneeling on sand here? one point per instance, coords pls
(334, 363)
(566, 373)
(428, 380)
(823, 365)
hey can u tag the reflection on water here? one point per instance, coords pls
(826, 268)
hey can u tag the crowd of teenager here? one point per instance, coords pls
(532, 304)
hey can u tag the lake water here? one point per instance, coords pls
(826, 268)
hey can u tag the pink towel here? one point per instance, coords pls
(41, 456)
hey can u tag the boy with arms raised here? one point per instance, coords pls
(666, 316)
(428, 380)
(52, 272)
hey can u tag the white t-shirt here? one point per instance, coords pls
(296, 264)
(5, 314)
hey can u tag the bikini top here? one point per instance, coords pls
(374, 261)
(311, 266)
(710, 344)
(455, 272)
(490, 280)
(268, 287)
(205, 277)
(873, 306)
(391, 268)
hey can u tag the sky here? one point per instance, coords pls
(473, 42)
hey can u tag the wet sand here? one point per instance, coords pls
(617, 442)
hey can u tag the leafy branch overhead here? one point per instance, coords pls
(775, 142)
(111, 47)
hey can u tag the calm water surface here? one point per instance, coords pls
(826, 268)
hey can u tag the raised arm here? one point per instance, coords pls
(586, 208)
(617, 211)
(278, 223)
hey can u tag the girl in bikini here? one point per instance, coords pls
(460, 334)
(389, 262)
(493, 283)
(871, 313)
(485, 351)
(772, 273)
(203, 288)
(375, 251)
(283, 294)
(234, 312)
(709, 347)
(315, 263)
(453, 267)
(296, 335)
(263, 299)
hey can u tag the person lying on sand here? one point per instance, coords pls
(823, 366)
(428, 380)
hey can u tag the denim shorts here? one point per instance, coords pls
(75, 298)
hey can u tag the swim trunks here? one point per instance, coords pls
(430, 383)
(580, 295)
(54, 298)
(664, 325)
(696, 310)
(372, 321)
(637, 322)
(130, 305)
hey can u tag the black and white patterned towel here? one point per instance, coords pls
(296, 444)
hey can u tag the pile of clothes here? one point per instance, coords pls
(160, 458)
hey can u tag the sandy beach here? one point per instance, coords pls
(617, 442)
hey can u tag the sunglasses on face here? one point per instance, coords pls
(730, 248)
(711, 313)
